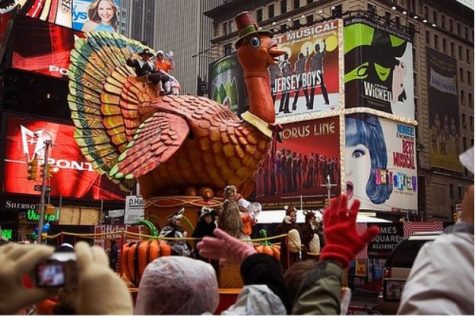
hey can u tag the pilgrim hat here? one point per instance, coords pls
(146, 51)
(247, 26)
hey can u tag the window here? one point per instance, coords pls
(459, 192)
(442, 19)
(469, 77)
(461, 74)
(228, 49)
(259, 15)
(271, 11)
(452, 49)
(467, 56)
(436, 41)
(466, 33)
(427, 37)
(434, 16)
(387, 15)
(296, 24)
(336, 11)
(451, 188)
(309, 1)
(371, 8)
(309, 19)
(444, 45)
(464, 122)
(225, 28)
(426, 12)
(398, 21)
(283, 6)
(471, 122)
(462, 97)
(296, 4)
(470, 102)
(451, 26)
(460, 52)
(459, 31)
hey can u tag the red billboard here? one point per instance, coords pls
(75, 177)
(302, 166)
(41, 47)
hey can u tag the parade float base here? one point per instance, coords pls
(229, 276)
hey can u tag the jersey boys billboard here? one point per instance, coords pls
(75, 177)
(380, 163)
(378, 69)
(301, 165)
(306, 78)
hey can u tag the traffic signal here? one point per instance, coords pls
(49, 171)
(32, 169)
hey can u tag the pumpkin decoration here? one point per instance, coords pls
(267, 247)
(136, 256)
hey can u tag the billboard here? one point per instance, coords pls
(301, 164)
(76, 178)
(6, 22)
(443, 111)
(52, 11)
(226, 84)
(50, 53)
(95, 15)
(378, 69)
(380, 163)
(306, 78)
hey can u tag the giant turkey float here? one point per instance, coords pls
(182, 150)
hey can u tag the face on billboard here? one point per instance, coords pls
(378, 68)
(95, 15)
(25, 139)
(358, 166)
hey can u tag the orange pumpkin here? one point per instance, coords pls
(137, 255)
(267, 247)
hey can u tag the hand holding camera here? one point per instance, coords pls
(18, 260)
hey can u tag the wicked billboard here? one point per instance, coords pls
(443, 111)
(378, 69)
(380, 163)
(302, 166)
(25, 138)
(306, 78)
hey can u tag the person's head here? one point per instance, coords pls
(160, 55)
(145, 54)
(309, 216)
(290, 215)
(177, 285)
(366, 156)
(230, 192)
(174, 219)
(103, 11)
(206, 215)
(293, 277)
(467, 161)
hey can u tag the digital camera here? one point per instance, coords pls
(57, 271)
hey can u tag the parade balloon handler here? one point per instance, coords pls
(173, 229)
(367, 157)
(441, 278)
(102, 16)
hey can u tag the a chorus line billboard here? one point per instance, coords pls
(303, 165)
(306, 78)
(380, 163)
(226, 84)
(49, 55)
(443, 111)
(378, 69)
(76, 178)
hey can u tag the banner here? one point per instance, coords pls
(134, 209)
(226, 84)
(444, 111)
(76, 178)
(380, 163)
(42, 47)
(303, 167)
(6, 23)
(378, 69)
(306, 78)
(95, 15)
(389, 235)
(52, 11)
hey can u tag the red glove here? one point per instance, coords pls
(225, 248)
(342, 241)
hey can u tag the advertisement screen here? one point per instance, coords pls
(306, 78)
(226, 84)
(52, 11)
(6, 22)
(95, 15)
(378, 69)
(303, 165)
(75, 177)
(380, 163)
(50, 53)
(443, 111)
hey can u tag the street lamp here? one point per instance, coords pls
(47, 143)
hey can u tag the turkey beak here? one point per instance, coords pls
(274, 52)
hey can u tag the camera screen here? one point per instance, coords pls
(50, 275)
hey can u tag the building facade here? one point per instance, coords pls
(442, 43)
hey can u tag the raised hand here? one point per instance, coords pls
(224, 248)
(342, 241)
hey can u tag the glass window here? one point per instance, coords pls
(467, 56)
(225, 28)
(442, 19)
(451, 188)
(444, 45)
(427, 37)
(460, 192)
(452, 49)
(228, 49)
(461, 74)
(460, 52)
(296, 4)
(271, 11)
(436, 41)
(470, 101)
(259, 15)
(283, 6)
(469, 77)
(471, 122)
(451, 26)
(462, 97)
